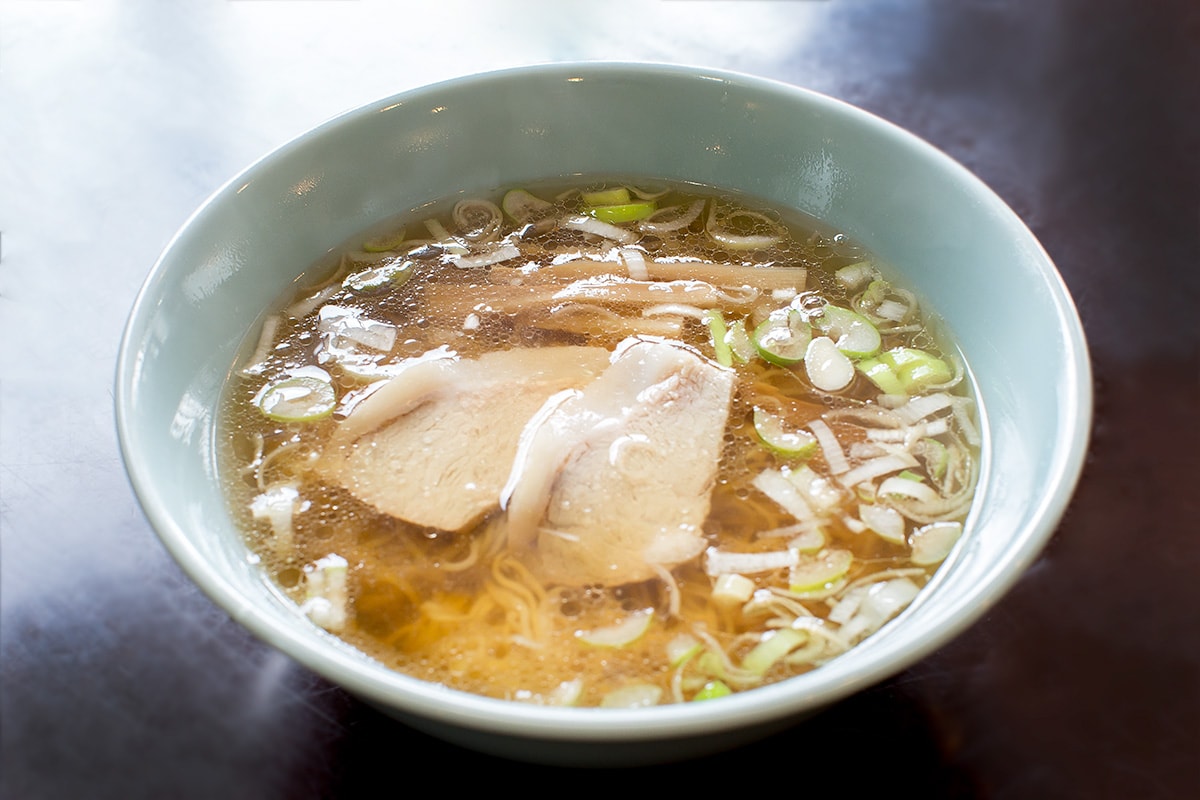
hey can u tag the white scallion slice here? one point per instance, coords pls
(741, 229)
(880, 602)
(783, 337)
(649, 192)
(674, 218)
(933, 542)
(831, 448)
(855, 275)
(877, 468)
(384, 242)
(476, 219)
(732, 588)
(300, 398)
(828, 367)
(885, 521)
(721, 562)
(896, 486)
(818, 491)
(326, 593)
(278, 506)
(936, 457)
(392, 273)
(637, 695)
(566, 693)
(788, 443)
(443, 238)
(776, 486)
(623, 633)
(523, 206)
(682, 648)
(635, 263)
(600, 228)
(486, 258)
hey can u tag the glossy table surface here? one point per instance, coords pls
(118, 117)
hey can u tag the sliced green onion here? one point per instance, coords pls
(716, 327)
(853, 333)
(623, 633)
(875, 293)
(792, 444)
(718, 563)
(672, 218)
(725, 231)
(783, 337)
(622, 212)
(391, 274)
(854, 275)
(933, 542)
(566, 693)
(829, 369)
(739, 341)
(880, 602)
(326, 594)
(773, 647)
(477, 219)
(278, 506)
(643, 193)
(916, 369)
(683, 648)
(606, 197)
(637, 695)
(819, 492)
(709, 663)
(444, 240)
(599, 228)
(301, 398)
(936, 457)
(712, 690)
(899, 487)
(821, 571)
(885, 521)
(385, 242)
(882, 375)
(732, 588)
(523, 206)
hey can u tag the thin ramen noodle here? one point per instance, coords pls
(602, 444)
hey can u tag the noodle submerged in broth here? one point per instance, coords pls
(601, 446)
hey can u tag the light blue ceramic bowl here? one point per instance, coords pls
(963, 250)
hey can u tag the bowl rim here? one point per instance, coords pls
(378, 684)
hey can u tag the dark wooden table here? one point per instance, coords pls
(117, 118)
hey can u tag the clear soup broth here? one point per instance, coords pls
(609, 443)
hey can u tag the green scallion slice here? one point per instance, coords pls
(791, 444)
(622, 212)
(852, 333)
(783, 337)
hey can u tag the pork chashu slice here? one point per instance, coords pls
(435, 444)
(614, 481)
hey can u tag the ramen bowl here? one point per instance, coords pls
(952, 239)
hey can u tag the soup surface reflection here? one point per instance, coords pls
(610, 444)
